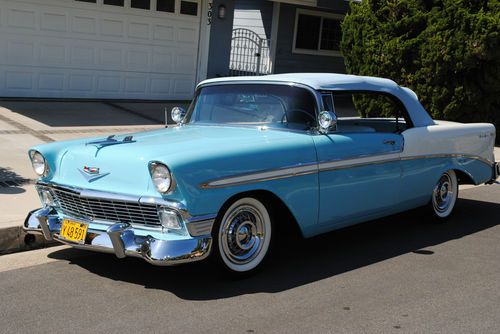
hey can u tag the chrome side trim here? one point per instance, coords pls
(324, 166)
(264, 175)
(359, 161)
(449, 155)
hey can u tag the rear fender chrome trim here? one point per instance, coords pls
(448, 155)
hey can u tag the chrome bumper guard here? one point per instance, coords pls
(121, 240)
(496, 173)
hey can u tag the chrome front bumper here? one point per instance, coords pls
(123, 240)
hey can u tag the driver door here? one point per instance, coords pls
(359, 175)
(359, 165)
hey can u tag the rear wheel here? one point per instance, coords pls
(444, 195)
(243, 236)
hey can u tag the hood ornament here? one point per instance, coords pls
(109, 141)
(91, 174)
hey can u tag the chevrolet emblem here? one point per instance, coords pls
(91, 174)
(91, 170)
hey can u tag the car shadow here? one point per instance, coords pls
(10, 182)
(56, 114)
(301, 262)
(60, 113)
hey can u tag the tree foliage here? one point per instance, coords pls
(447, 51)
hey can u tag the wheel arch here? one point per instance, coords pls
(463, 176)
(278, 209)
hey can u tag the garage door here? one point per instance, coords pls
(126, 49)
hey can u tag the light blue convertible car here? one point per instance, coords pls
(324, 150)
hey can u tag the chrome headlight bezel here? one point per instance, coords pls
(39, 163)
(46, 197)
(160, 173)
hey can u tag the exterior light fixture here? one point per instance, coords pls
(222, 12)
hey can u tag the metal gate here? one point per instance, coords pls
(249, 54)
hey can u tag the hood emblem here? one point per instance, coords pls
(91, 174)
(91, 170)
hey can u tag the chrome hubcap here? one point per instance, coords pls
(443, 193)
(243, 234)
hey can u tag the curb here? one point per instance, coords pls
(14, 239)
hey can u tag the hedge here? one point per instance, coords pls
(447, 51)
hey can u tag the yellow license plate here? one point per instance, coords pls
(73, 231)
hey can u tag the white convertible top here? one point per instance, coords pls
(314, 80)
(335, 81)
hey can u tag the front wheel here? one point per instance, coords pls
(243, 236)
(445, 194)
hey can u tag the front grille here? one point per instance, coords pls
(72, 204)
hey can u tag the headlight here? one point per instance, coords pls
(39, 164)
(161, 176)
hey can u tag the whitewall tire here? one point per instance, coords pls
(445, 194)
(243, 235)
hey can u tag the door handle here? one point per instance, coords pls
(390, 142)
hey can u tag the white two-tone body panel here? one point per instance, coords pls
(475, 140)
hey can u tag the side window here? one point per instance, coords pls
(370, 112)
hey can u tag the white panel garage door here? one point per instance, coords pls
(76, 49)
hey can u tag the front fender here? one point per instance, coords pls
(299, 194)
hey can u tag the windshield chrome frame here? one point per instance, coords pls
(316, 95)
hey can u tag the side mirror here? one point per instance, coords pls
(327, 121)
(178, 114)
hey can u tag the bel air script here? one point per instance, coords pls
(254, 157)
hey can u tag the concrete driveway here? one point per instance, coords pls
(24, 124)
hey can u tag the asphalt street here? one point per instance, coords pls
(401, 274)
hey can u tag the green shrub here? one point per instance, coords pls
(447, 51)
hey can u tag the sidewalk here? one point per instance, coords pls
(24, 124)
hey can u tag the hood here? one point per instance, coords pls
(194, 154)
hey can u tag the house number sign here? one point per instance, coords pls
(210, 12)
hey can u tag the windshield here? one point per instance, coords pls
(280, 106)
